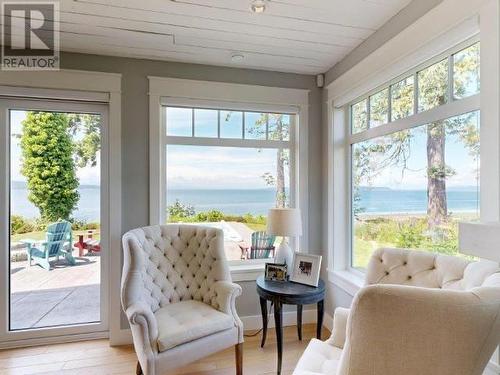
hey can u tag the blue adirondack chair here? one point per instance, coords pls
(58, 242)
(262, 245)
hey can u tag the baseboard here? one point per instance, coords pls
(122, 337)
(254, 322)
(328, 322)
(53, 340)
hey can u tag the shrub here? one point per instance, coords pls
(180, 210)
(215, 215)
(409, 236)
(405, 232)
(83, 225)
(21, 225)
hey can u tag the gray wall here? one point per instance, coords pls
(135, 151)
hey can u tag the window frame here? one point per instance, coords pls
(452, 107)
(174, 92)
(70, 86)
(228, 142)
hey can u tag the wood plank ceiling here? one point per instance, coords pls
(301, 36)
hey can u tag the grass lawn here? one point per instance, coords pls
(40, 236)
(363, 250)
(256, 227)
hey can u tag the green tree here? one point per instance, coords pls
(87, 147)
(370, 158)
(278, 129)
(48, 164)
(180, 210)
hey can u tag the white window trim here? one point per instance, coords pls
(174, 91)
(453, 21)
(81, 86)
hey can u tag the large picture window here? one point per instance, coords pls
(226, 168)
(413, 180)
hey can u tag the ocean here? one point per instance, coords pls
(388, 201)
(258, 201)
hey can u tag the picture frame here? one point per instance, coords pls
(275, 272)
(306, 269)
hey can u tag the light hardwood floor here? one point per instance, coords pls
(97, 357)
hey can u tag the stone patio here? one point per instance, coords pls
(64, 295)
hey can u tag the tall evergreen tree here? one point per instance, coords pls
(48, 164)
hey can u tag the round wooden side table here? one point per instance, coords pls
(288, 293)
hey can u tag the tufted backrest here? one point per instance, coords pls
(429, 270)
(170, 263)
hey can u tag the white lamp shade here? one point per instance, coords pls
(284, 222)
(480, 240)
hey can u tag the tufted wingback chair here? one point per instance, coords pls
(418, 313)
(178, 296)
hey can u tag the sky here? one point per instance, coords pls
(203, 167)
(208, 167)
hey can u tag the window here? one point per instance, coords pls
(412, 181)
(226, 168)
(379, 108)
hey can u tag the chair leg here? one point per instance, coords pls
(138, 369)
(238, 351)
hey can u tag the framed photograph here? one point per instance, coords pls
(306, 269)
(275, 272)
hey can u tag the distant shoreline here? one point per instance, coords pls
(391, 215)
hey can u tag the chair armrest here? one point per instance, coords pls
(338, 335)
(142, 320)
(226, 293)
(409, 330)
(30, 242)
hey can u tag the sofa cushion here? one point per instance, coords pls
(182, 322)
(319, 358)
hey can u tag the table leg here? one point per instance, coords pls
(320, 319)
(278, 320)
(299, 321)
(263, 309)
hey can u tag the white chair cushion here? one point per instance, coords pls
(318, 359)
(182, 322)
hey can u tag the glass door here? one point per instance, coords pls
(54, 200)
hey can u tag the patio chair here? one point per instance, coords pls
(58, 242)
(262, 245)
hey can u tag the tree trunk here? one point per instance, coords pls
(280, 170)
(280, 180)
(437, 207)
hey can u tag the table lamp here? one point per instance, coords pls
(480, 240)
(284, 222)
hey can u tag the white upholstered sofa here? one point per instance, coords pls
(178, 296)
(419, 314)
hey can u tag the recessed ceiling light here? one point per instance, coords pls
(258, 6)
(237, 57)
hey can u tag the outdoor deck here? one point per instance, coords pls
(70, 294)
(64, 295)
